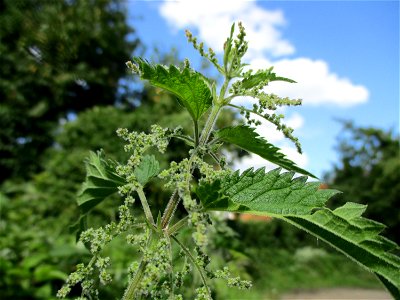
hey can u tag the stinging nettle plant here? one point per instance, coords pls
(215, 188)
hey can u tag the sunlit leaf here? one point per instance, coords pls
(302, 204)
(246, 138)
(189, 86)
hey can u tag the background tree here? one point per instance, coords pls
(368, 173)
(57, 58)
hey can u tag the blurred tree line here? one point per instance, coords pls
(64, 90)
(58, 58)
(369, 173)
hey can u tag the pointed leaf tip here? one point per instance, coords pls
(190, 87)
(303, 205)
(246, 138)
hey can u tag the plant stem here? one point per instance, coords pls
(187, 252)
(170, 209)
(145, 205)
(216, 108)
(171, 268)
(134, 283)
(178, 225)
(130, 291)
(184, 138)
(223, 90)
(196, 133)
(205, 134)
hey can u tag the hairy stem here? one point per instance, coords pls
(177, 226)
(170, 209)
(216, 108)
(196, 133)
(130, 291)
(171, 268)
(224, 87)
(190, 256)
(145, 205)
(134, 283)
(184, 138)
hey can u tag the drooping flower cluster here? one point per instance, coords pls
(96, 240)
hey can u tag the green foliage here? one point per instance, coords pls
(57, 58)
(258, 192)
(356, 237)
(148, 168)
(275, 194)
(368, 173)
(246, 138)
(282, 258)
(201, 186)
(188, 85)
(101, 181)
(36, 215)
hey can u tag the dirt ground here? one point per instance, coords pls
(339, 293)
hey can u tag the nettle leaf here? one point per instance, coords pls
(148, 168)
(246, 138)
(189, 86)
(259, 192)
(302, 204)
(356, 237)
(262, 76)
(101, 181)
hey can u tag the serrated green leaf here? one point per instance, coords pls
(148, 168)
(356, 237)
(189, 86)
(246, 138)
(303, 205)
(101, 181)
(256, 191)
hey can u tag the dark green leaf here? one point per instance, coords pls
(246, 138)
(356, 237)
(189, 86)
(302, 204)
(148, 168)
(256, 191)
(101, 181)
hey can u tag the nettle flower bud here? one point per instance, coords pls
(188, 35)
(133, 67)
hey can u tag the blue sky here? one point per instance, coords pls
(343, 54)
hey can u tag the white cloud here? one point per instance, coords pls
(316, 84)
(213, 20)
